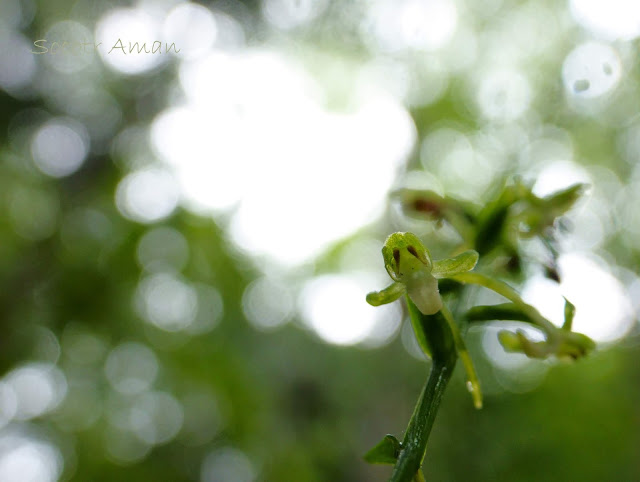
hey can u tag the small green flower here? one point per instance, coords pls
(410, 266)
(416, 275)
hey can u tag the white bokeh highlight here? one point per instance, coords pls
(166, 301)
(268, 303)
(227, 463)
(147, 195)
(8, 403)
(59, 147)
(131, 368)
(503, 95)
(556, 176)
(156, 417)
(70, 47)
(410, 24)
(334, 307)
(603, 309)
(255, 135)
(192, 27)
(162, 249)
(288, 14)
(17, 62)
(591, 70)
(38, 389)
(25, 458)
(611, 20)
(129, 25)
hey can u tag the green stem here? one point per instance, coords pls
(512, 295)
(414, 444)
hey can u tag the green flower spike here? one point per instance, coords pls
(414, 274)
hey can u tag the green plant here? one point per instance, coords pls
(493, 232)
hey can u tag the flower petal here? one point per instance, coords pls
(389, 294)
(445, 268)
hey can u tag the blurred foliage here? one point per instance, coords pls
(237, 402)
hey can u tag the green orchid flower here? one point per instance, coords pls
(409, 265)
(416, 275)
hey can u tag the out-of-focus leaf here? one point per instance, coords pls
(542, 213)
(493, 219)
(560, 202)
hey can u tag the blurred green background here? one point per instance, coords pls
(187, 235)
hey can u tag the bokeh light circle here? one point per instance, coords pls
(59, 147)
(591, 70)
(147, 195)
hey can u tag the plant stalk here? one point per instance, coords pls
(415, 438)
